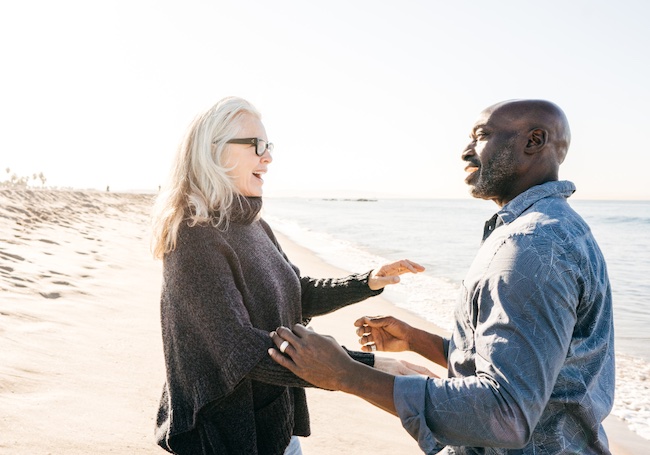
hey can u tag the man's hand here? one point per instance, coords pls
(321, 361)
(389, 273)
(385, 333)
(317, 359)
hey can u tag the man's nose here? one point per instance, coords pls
(469, 151)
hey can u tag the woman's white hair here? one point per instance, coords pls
(199, 189)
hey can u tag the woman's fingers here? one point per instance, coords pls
(419, 369)
(400, 267)
(413, 266)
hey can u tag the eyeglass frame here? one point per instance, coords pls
(253, 141)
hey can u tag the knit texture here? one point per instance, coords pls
(222, 293)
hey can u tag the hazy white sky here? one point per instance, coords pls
(360, 97)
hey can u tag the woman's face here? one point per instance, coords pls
(247, 168)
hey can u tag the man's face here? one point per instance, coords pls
(491, 158)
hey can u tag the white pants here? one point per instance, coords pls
(294, 447)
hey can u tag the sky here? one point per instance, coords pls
(360, 97)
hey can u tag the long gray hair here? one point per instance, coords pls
(199, 186)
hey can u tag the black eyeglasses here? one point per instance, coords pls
(261, 145)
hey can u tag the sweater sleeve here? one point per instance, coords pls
(267, 370)
(325, 295)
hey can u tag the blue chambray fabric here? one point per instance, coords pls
(531, 358)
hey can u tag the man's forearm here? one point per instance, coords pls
(372, 385)
(428, 345)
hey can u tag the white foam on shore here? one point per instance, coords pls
(434, 300)
(632, 401)
(429, 297)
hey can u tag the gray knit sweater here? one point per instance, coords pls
(223, 292)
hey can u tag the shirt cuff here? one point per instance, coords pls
(409, 395)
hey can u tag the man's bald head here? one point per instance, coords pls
(528, 115)
(516, 144)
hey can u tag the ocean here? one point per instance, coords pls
(444, 235)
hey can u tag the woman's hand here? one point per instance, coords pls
(401, 367)
(383, 333)
(389, 273)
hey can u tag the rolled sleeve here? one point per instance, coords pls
(409, 395)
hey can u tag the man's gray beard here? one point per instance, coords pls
(497, 177)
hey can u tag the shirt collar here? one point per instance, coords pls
(513, 209)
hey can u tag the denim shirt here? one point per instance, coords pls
(531, 358)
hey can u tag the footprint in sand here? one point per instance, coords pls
(51, 295)
(12, 256)
(17, 278)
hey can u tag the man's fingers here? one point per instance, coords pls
(360, 322)
(282, 360)
(363, 330)
(375, 321)
(366, 338)
(378, 321)
(286, 334)
(301, 331)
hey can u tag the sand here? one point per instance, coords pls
(81, 364)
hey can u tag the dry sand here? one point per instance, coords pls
(81, 362)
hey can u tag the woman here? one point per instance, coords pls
(226, 285)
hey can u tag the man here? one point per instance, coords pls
(531, 360)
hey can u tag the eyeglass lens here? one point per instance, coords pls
(263, 146)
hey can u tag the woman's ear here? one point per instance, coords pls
(537, 139)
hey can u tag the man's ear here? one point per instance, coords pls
(537, 139)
